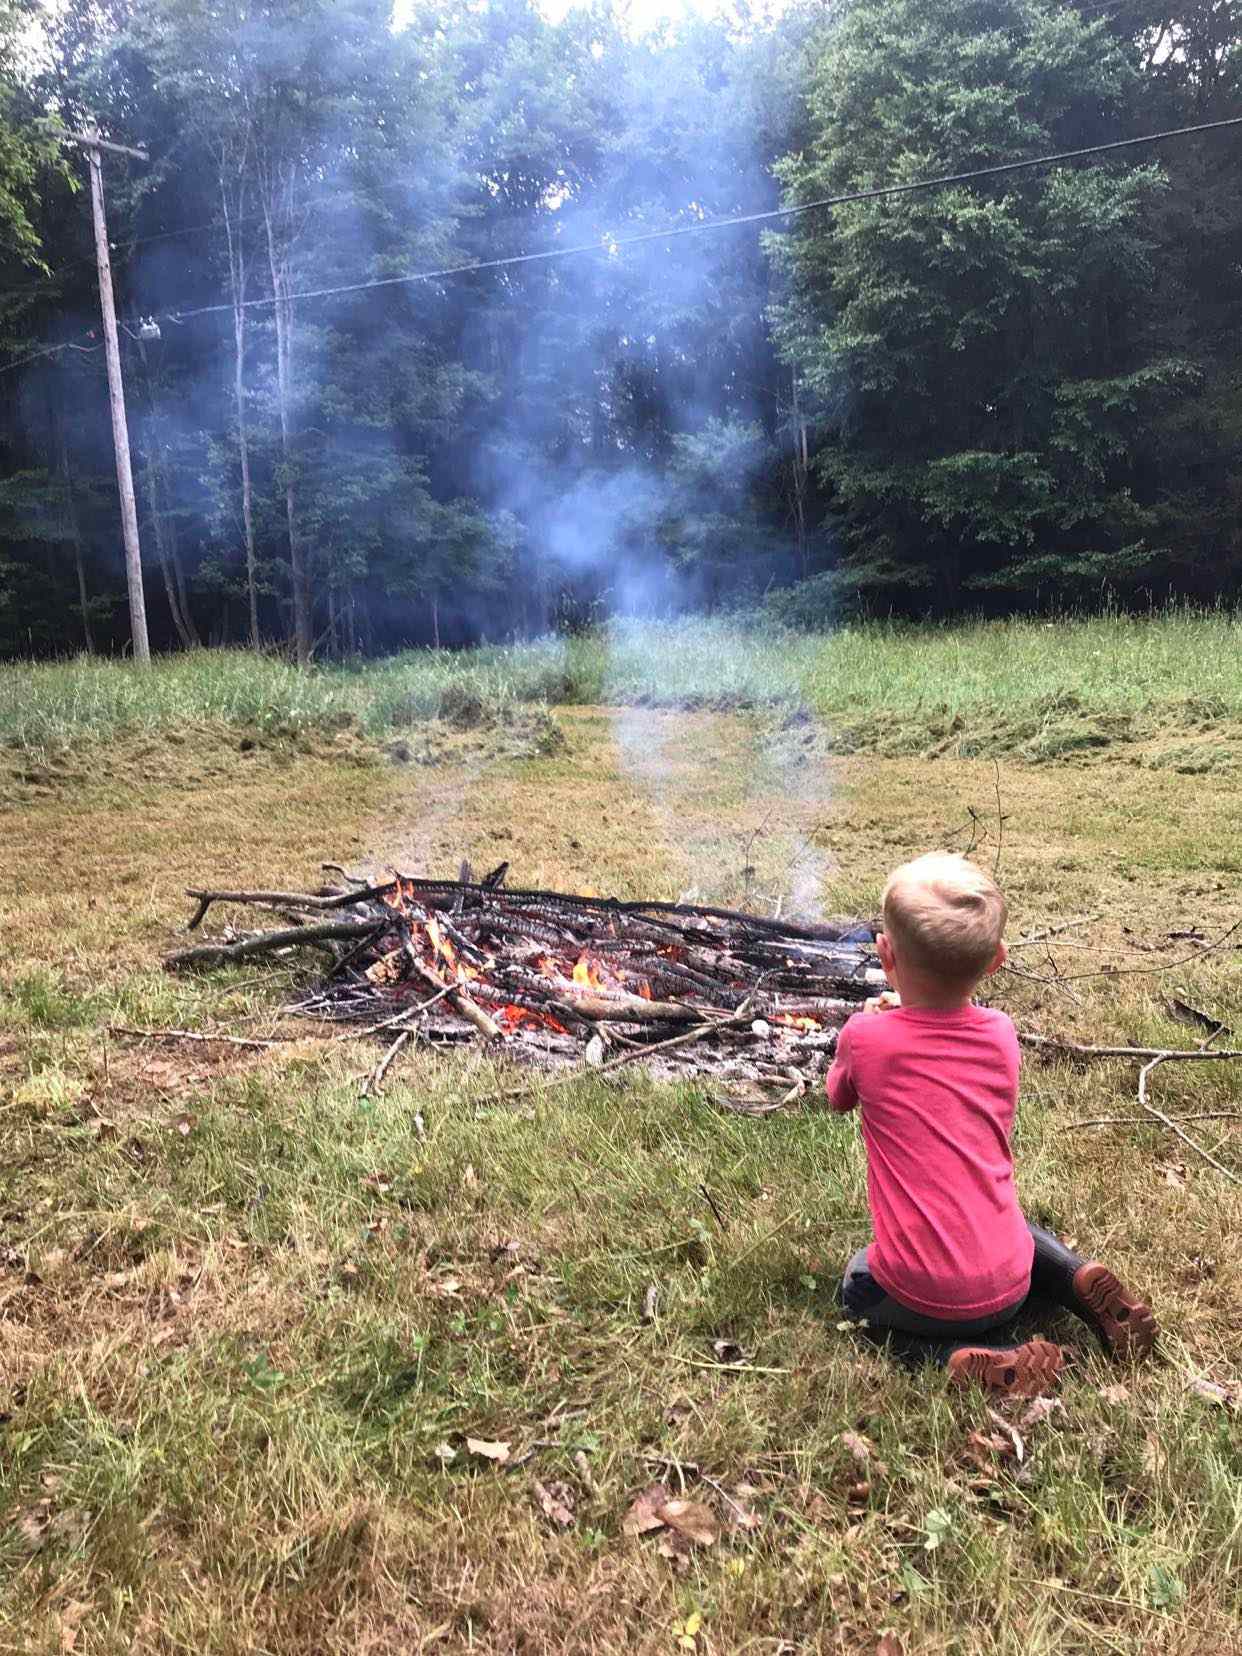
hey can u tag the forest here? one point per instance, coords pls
(429, 334)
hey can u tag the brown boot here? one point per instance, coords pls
(1028, 1370)
(1124, 1322)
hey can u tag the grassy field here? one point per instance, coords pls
(1036, 688)
(249, 1320)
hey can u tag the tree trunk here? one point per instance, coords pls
(172, 587)
(237, 288)
(800, 470)
(74, 532)
(303, 636)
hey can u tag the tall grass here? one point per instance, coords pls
(1111, 664)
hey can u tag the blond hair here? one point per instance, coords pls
(944, 915)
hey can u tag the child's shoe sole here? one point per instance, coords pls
(1028, 1370)
(1125, 1324)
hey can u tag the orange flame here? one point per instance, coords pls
(587, 973)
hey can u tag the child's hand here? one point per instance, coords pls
(883, 1003)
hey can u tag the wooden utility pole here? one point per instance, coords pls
(93, 144)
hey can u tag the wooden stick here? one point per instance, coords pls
(1048, 1043)
(1052, 931)
(219, 954)
(397, 1017)
(457, 997)
(727, 1368)
(631, 1057)
(1117, 1121)
(1159, 1115)
(375, 1080)
(262, 899)
(194, 1035)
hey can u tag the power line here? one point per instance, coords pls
(614, 243)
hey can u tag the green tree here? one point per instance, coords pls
(979, 354)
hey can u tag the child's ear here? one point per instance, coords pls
(885, 951)
(998, 959)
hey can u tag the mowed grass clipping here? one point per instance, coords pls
(250, 1321)
(1039, 688)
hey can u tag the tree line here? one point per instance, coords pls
(1007, 393)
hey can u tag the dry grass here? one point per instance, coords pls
(242, 1309)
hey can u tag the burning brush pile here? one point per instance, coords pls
(562, 979)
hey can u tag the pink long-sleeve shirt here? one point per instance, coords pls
(936, 1093)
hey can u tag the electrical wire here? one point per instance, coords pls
(611, 244)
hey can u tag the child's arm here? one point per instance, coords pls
(840, 1085)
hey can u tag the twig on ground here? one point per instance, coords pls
(375, 1080)
(1055, 981)
(1166, 966)
(727, 1368)
(695, 1034)
(1053, 931)
(1133, 1120)
(1049, 1043)
(406, 1013)
(1001, 819)
(1159, 1115)
(711, 1202)
(194, 1035)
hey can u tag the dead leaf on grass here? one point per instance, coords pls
(1174, 1174)
(1213, 1392)
(864, 1452)
(676, 1549)
(644, 1513)
(444, 1453)
(983, 1449)
(556, 1502)
(470, 1179)
(1155, 1456)
(741, 1517)
(859, 1446)
(379, 1182)
(184, 1124)
(1115, 1393)
(694, 1520)
(889, 1645)
(488, 1449)
(728, 1351)
(1039, 1410)
(69, 1622)
(33, 1525)
(1011, 1435)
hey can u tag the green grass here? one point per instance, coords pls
(1045, 688)
(249, 1319)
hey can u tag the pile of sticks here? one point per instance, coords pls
(561, 978)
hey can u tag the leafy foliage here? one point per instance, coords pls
(1001, 394)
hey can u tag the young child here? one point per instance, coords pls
(936, 1082)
